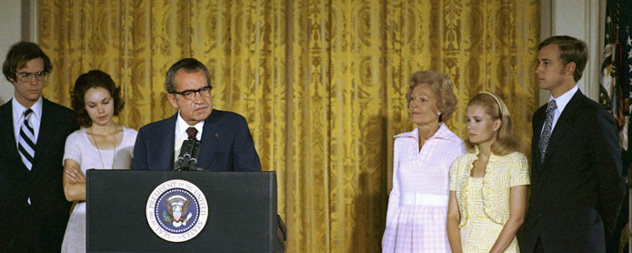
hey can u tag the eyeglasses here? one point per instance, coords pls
(190, 94)
(26, 76)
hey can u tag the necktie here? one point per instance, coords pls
(192, 132)
(26, 144)
(547, 129)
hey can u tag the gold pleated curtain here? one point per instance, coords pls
(321, 83)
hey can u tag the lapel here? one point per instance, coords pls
(563, 125)
(538, 123)
(8, 142)
(166, 145)
(47, 131)
(212, 136)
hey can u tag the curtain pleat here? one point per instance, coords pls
(321, 83)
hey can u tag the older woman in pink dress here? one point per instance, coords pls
(418, 203)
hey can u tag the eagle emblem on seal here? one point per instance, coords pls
(177, 206)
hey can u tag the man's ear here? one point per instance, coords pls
(570, 68)
(173, 100)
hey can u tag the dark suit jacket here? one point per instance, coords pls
(576, 193)
(41, 226)
(227, 145)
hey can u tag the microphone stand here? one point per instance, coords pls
(182, 163)
(195, 150)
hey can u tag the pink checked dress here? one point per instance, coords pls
(418, 203)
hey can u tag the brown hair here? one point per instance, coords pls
(571, 50)
(17, 57)
(92, 79)
(441, 85)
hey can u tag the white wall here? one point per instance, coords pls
(17, 19)
(582, 19)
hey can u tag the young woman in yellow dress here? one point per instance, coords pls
(488, 185)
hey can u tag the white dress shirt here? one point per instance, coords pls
(18, 118)
(181, 134)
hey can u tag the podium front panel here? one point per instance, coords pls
(242, 208)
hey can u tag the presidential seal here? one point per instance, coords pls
(177, 210)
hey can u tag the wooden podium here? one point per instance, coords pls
(182, 211)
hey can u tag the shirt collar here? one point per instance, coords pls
(18, 109)
(181, 127)
(445, 133)
(563, 100)
(492, 156)
(442, 133)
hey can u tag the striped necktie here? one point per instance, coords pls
(26, 145)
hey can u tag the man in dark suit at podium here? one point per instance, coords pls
(226, 142)
(33, 131)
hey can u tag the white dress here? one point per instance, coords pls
(418, 204)
(80, 149)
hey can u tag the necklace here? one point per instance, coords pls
(99, 150)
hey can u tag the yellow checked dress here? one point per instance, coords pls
(484, 201)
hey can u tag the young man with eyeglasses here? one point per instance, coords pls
(226, 142)
(33, 130)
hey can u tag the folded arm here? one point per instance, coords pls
(74, 181)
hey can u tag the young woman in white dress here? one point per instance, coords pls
(100, 143)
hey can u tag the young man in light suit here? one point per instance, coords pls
(576, 182)
(33, 209)
(226, 142)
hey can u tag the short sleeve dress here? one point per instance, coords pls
(484, 201)
(79, 148)
(417, 206)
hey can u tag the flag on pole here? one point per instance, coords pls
(616, 67)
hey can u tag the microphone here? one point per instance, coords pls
(194, 154)
(182, 163)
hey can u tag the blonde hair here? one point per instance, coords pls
(441, 85)
(493, 105)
